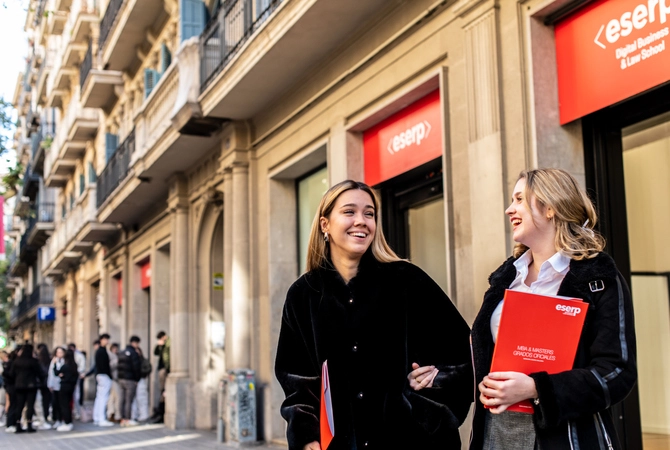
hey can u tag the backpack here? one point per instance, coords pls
(145, 367)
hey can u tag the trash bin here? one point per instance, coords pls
(241, 405)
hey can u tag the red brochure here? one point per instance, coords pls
(538, 333)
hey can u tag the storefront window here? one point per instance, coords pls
(646, 159)
(310, 190)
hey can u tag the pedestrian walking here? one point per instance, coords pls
(4, 357)
(103, 378)
(162, 350)
(80, 359)
(113, 411)
(557, 253)
(397, 350)
(10, 390)
(129, 375)
(54, 383)
(69, 375)
(28, 377)
(44, 394)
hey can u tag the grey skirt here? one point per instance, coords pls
(509, 431)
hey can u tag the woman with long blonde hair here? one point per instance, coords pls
(397, 350)
(558, 252)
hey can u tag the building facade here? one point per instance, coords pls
(193, 141)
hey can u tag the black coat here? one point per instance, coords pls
(129, 364)
(70, 376)
(370, 331)
(27, 373)
(573, 404)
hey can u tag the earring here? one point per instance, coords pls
(325, 236)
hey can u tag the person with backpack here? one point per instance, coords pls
(140, 409)
(129, 374)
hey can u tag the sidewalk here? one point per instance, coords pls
(87, 436)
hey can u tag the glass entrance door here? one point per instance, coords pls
(646, 163)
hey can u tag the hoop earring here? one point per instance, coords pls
(325, 236)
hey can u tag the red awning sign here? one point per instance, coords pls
(609, 51)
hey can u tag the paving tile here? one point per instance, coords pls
(87, 436)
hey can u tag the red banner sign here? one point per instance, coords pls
(404, 141)
(609, 51)
(145, 278)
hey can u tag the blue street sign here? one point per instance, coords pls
(46, 314)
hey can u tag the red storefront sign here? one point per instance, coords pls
(609, 51)
(404, 141)
(145, 275)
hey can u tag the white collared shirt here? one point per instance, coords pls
(552, 273)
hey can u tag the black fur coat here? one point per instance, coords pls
(371, 330)
(573, 410)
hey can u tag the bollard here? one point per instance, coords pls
(241, 406)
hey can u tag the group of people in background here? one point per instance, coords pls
(39, 390)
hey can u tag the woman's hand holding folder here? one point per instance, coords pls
(500, 390)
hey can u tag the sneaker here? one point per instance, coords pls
(65, 427)
(57, 424)
(11, 429)
(132, 423)
(105, 423)
(44, 426)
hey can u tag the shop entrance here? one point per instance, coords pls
(413, 218)
(627, 156)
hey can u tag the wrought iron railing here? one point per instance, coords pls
(107, 22)
(41, 213)
(226, 33)
(116, 169)
(42, 294)
(39, 12)
(86, 65)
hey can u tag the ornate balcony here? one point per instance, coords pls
(40, 224)
(62, 5)
(56, 22)
(124, 28)
(42, 295)
(75, 234)
(98, 87)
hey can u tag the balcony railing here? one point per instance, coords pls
(86, 65)
(35, 142)
(42, 295)
(226, 33)
(108, 20)
(116, 169)
(42, 213)
(39, 13)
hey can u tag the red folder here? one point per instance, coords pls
(538, 333)
(326, 422)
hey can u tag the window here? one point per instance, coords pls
(310, 190)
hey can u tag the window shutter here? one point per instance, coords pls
(92, 176)
(82, 183)
(111, 143)
(192, 15)
(151, 78)
(166, 58)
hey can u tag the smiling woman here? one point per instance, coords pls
(381, 324)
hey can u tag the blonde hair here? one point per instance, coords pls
(574, 214)
(317, 248)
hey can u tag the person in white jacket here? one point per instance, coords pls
(53, 383)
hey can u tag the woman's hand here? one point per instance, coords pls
(500, 390)
(421, 377)
(312, 446)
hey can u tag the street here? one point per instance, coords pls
(86, 436)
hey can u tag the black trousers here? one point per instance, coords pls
(64, 400)
(12, 417)
(46, 401)
(26, 398)
(56, 411)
